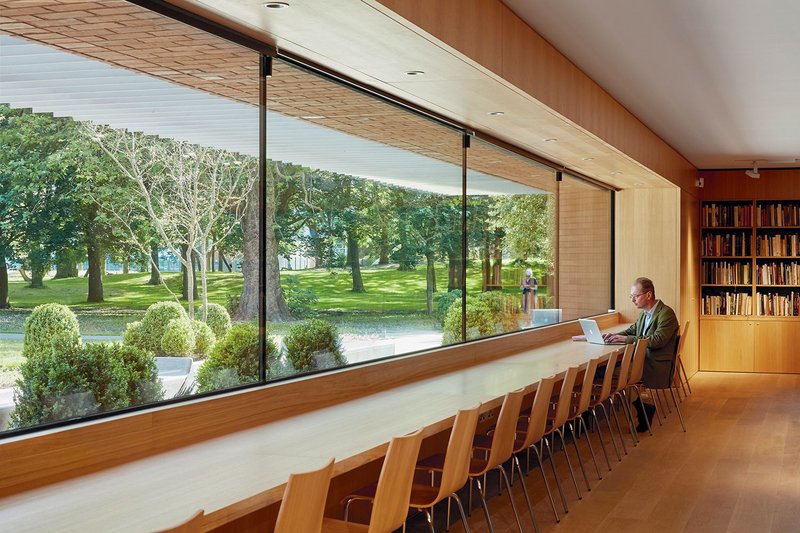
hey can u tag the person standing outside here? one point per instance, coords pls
(658, 323)
(529, 286)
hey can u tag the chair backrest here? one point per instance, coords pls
(505, 432)
(624, 368)
(390, 507)
(192, 525)
(588, 383)
(637, 366)
(565, 397)
(676, 378)
(538, 418)
(611, 364)
(459, 453)
(303, 504)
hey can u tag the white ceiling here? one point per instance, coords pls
(719, 80)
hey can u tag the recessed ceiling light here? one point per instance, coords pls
(415, 72)
(551, 140)
(588, 158)
(212, 78)
(616, 172)
(313, 117)
(276, 5)
(496, 113)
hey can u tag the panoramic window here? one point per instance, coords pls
(511, 275)
(128, 166)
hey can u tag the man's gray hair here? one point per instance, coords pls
(646, 284)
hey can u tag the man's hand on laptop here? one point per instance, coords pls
(612, 337)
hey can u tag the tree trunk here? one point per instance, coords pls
(185, 274)
(126, 269)
(195, 269)
(40, 264)
(4, 304)
(95, 259)
(453, 271)
(497, 264)
(486, 266)
(155, 273)
(66, 266)
(430, 285)
(383, 247)
(275, 308)
(354, 263)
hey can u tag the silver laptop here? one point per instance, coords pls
(592, 332)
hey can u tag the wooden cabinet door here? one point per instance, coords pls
(726, 345)
(777, 346)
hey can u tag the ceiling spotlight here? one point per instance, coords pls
(415, 72)
(276, 5)
(616, 172)
(496, 113)
(753, 173)
(550, 140)
(588, 158)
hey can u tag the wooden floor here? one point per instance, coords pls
(736, 469)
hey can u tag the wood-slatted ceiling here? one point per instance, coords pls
(140, 41)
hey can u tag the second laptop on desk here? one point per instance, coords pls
(592, 332)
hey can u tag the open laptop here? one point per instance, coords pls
(592, 332)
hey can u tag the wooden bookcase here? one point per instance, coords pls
(750, 285)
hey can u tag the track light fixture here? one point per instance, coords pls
(753, 173)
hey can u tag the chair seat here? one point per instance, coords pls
(423, 496)
(331, 525)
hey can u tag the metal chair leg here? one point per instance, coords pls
(484, 506)
(578, 453)
(610, 430)
(569, 463)
(646, 418)
(582, 422)
(546, 483)
(678, 409)
(504, 477)
(616, 421)
(626, 409)
(460, 511)
(555, 472)
(429, 518)
(515, 462)
(600, 436)
(685, 377)
(659, 413)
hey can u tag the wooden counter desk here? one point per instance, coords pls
(234, 475)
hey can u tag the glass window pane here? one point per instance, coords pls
(364, 225)
(129, 157)
(511, 227)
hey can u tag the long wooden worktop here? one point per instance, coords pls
(236, 474)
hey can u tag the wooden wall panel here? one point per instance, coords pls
(690, 280)
(777, 345)
(647, 244)
(726, 344)
(734, 185)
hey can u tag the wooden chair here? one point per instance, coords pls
(600, 393)
(555, 421)
(532, 427)
(582, 396)
(635, 381)
(192, 525)
(672, 388)
(679, 375)
(454, 473)
(392, 493)
(303, 504)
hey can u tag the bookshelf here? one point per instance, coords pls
(750, 253)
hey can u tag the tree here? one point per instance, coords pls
(185, 189)
(529, 220)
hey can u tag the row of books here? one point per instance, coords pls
(726, 245)
(778, 215)
(775, 304)
(727, 273)
(727, 303)
(778, 273)
(715, 215)
(778, 245)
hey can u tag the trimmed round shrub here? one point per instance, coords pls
(480, 321)
(444, 302)
(234, 359)
(134, 334)
(204, 339)
(503, 307)
(312, 345)
(155, 322)
(44, 323)
(73, 380)
(178, 338)
(218, 320)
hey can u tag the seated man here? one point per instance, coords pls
(659, 324)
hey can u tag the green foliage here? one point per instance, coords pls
(73, 380)
(503, 306)
(300, 301)
(444, 302)
(154, 325)
(218, 320)
(178, 338)
(312, 345)
(232, 302)
(204, 339)
(480, 321)
(234, 359)
(134, 334)
(45, 322)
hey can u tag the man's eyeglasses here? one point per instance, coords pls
(634, 296)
